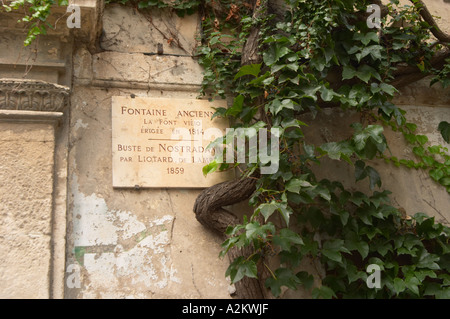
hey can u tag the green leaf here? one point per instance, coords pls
(354, 242)
(437, 174)
(362, 172)
(292, 257)
(322, 192)
(336, 150)
(374, 177)
(412, 283)
(362, 135)
(445, 181)
(283, 277)
(274, 53)
(366, 38)
(296, 184)
(323, 292)
(267, 209)
(389, 89)
(285, 212)
(422, 139)
(237, 106)
(444, 293)
(240, 268)
(306, 279)
(348, 72)
(333, 248)
(250, 69)
(399, 285)
(255, 230)
(444, 128)
(327, 94)
(427, 260)
(286, 239)
(210, 168)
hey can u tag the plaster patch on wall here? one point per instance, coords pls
(80, 124)
(117, 248)
(93, 224)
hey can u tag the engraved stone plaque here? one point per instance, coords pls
(160, 142)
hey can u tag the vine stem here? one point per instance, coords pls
(271, 272)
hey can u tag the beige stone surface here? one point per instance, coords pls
(137, 67)
(130, 31)
(26, 171)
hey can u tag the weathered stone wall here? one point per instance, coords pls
(26, 188)
(134, 243)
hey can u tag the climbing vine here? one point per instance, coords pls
(322, 54)
(313, 55)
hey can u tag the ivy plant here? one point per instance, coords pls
(314, 42)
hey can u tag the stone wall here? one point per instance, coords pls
(134, 243)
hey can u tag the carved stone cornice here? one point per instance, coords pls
(32, 95)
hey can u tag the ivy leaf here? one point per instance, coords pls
(412, 283)
(366, 38)
(437, 174)
(296, 184)
(292, 257)
(327, 94)
(274, 53)
(353, 242)
(306, 279)
(361, 172)
(399, 285)
(255, 230)
(389, 89)
(285, 212)
(240, 268)
(333, 248)
(237, 106)
(422, 139)
(362, 135)
(323, 292)
(267, 209)
(286, 239)
(283, 277)
(348, 72)
(427, 260)
(322, 192)
(336, 150)
(374, 177)
(210, 168)
(444, 128)
(250, 69)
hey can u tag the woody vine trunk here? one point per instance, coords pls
(209, 204)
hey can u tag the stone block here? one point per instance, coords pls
(132, 31)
